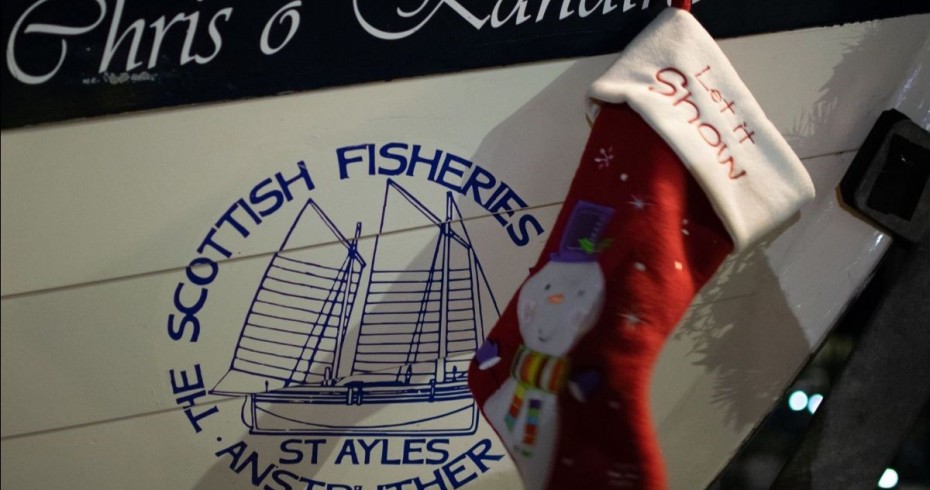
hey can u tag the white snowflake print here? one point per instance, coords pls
(632, 320)
(623, 475)
(638, 203)
(604, 158)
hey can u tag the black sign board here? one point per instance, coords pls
(66, 59)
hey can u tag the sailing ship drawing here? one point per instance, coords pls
(308, 362)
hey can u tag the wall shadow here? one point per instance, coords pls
(748, 341)
(848, 102)
(540, 145)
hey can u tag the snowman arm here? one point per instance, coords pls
(583, 384)
(488, 355)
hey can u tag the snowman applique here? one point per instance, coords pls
(555, 308)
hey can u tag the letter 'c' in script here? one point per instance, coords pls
(52, 29)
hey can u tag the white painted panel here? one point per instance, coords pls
(129, 195)
(132, 194)
(913, 96)
(104, 350)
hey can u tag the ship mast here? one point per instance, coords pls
(346, 304)
(445, 236)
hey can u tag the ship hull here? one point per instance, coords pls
(442, 409)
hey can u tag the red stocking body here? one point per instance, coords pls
(662, 244)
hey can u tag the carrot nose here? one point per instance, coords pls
(556, 299)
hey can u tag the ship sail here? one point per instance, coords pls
(296, 325)
(426, 307)
(423, 315)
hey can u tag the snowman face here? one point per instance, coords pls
(559, 304)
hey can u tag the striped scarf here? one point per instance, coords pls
(537, 371)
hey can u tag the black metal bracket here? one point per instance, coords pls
(885, 384)
(887, 180)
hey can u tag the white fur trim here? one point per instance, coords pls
(676, 77)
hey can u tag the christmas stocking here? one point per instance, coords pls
(681, 168)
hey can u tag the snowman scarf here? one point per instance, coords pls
(681, 168)
(533, 371)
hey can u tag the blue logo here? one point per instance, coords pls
(354, 351)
